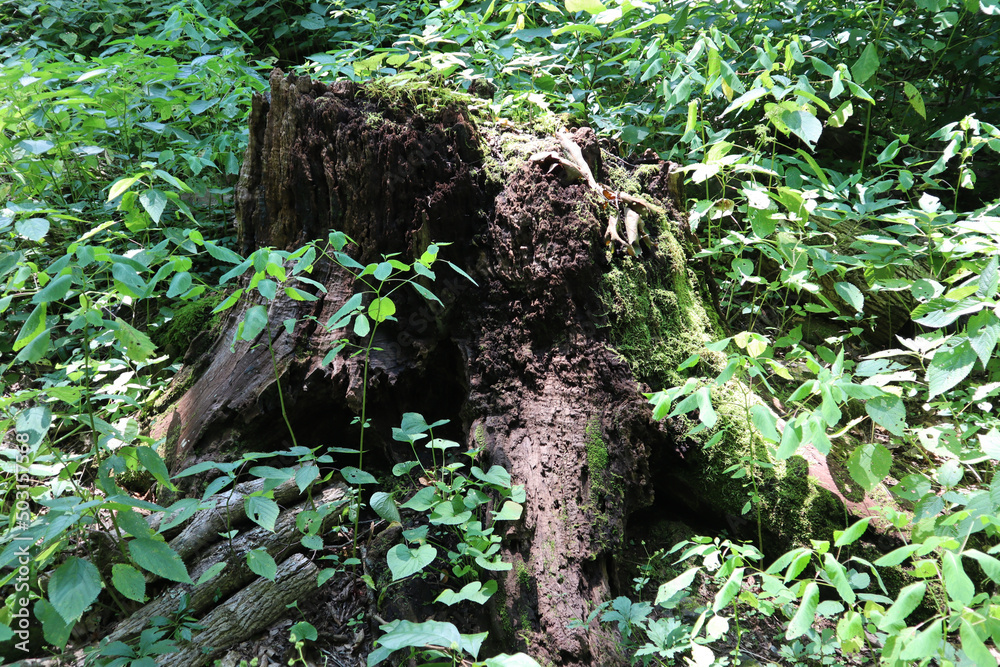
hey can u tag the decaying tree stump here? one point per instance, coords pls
(521, 364)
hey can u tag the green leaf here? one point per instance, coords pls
(589, 6)
(510, 511)
(211, 572)
(973, 646)
(496, 476)
(765, 422)
(262, 511)
(806, 614)
(989, 278)
(154, 202)
(261, 563)
(33, 326)
(949, 367)
(926, 644)
(889, 412)
(915, 98)
(179, 284)
(120, 186)
(956, 582)
(804, 125)
(383, 505)
(129, 582)
(670, 593)
(357, 476)
(36, 146)
(474, 592)
(869, 465)
(908, 600)
(342, 315)
(851, 294)
(138, 346)
(32, 424)
(381, 309)
(73, 587)
(158, 558)
(55, 629)
(361, 326)
(404, 562)
(54, 291)
(151, 461)
(866, 65)
(728, 590)
(253, 323)
(33, 229)
(844, 537)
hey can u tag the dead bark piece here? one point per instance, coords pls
(237, 573)
(224, 511)
(248, 612)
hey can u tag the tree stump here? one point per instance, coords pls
(523, 365)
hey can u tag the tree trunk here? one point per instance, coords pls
(534, 364)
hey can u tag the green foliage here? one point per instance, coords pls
(838, 156)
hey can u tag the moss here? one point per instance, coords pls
(597, 451)
(658, 320)
(522, 573)
(187, 322)
(656, 313)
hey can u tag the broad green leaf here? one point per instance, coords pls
(151, 461)
(361, 326)
(129, 582)
(54, 627)
(154, 202)
(906, 602)
(496, 475)
(158, 558)
(73, 587)
(728, 590)
(851, 294)
(475, 592)
(765, 421)
(254, 323)
(381, 309)
(138, 346)
(806, 613)
(54, 291)
(670, 593)
(949, 367)
(262, 511)
(120, 186)
(956, 581)
(211, 572)
(357, 476)
(804, 125)
(180, 283)
(33, 229)
(974, 647)
(915, 98)
(889, 412)
(869, 465)
(843, 538)
(404, 561)
(33, 326)
(510, 511)
(340, 318)
(261, 563)
(866, 65)
(33, 423)
(36, 146)
(926, 644)
(589, 6)
(384, 505)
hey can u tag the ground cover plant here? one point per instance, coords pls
(840, 163)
